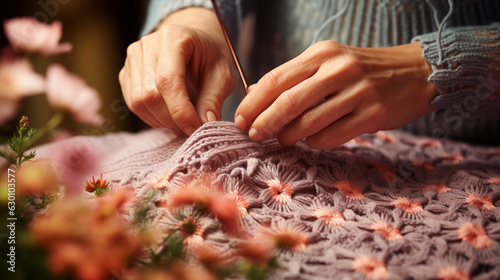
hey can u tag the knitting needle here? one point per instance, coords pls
(230, 45)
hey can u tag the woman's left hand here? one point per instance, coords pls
(332, 93)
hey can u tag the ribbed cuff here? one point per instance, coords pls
(463, 69)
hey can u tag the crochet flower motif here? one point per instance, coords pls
(191, 230)
(371, 267)
(385, 136)
(289, 240)
(453, 158)
(160, 181)
(349, 189)
(280, 192)
(494, 180)
(387, 231)
(329, 216)
(429, 144)
(475, 235)
(385, 172)
(483, 202)
(442, 188)
(404, 203)
(452, 273)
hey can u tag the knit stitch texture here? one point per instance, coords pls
(408, 207)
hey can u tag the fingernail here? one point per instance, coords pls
(240, 122)
(189, 130)
(254, 134)
(211, 116)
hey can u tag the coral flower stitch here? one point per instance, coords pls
(483, 202)
(290, 240)
(349, 189)
(442, 188)
(387, 231)
(372, 268)
(329, 216)
(280, 192)
(191, 230)
(160, 181)
(385, 136)
(452, 273)
(475, 235)
(494, 180)
(412, 207)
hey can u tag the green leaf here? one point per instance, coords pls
(9, 156)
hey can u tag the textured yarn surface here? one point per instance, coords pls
(417, 207)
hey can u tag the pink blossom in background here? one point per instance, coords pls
(32, 36)
(69, 92)
(17, 80)
(8, 110)
(74, 162)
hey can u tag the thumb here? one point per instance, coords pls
(212, 94)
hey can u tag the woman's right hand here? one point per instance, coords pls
(179, 75)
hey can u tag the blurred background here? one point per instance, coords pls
(100, 32)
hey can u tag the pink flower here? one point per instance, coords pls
(475, 235)
(372, 268)
(74, 162)
(32, 36)
(69, 92)
(17, 80)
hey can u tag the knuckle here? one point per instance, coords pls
(167, 81)
(271, 78)
(289, 104)
(136, 104)
(131, 49)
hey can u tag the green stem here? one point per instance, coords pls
(54, 122)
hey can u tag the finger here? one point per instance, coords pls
(215, 87)
(289, 105)
(270, 87)
(135, 96)
(155, 103)
(317, 118)
(342, 130)
(171, 84)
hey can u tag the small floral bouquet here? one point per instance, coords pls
(64, 225)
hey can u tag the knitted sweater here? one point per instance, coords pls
(464, 54)
(384, 206)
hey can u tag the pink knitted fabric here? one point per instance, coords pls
(383, 206)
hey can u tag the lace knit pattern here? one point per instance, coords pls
(408, 207)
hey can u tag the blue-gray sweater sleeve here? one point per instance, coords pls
(466, 69)
(232, 12)
(159, 9)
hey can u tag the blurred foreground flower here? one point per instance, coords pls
(32, 36)
(69, 92)
(36, 178)
(88, 243)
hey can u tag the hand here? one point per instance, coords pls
(179, 75)
(332, 93)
